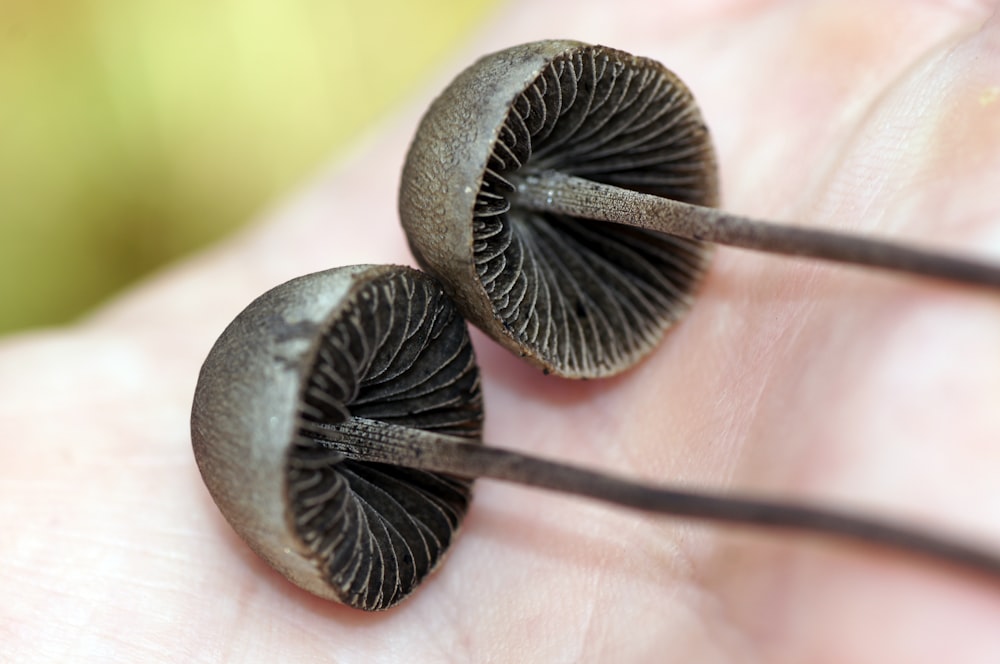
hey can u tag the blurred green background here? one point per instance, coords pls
(133, 131)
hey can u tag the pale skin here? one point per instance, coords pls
(788, 378)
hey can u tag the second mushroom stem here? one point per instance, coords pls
(379, 442)
(555, 192)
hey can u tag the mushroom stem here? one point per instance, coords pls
(379, 442)
(552, 191)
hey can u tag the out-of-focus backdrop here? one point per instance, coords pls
(133, 131)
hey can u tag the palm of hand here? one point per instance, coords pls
(788, 378)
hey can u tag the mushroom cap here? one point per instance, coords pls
(379, 342)
(576, 297)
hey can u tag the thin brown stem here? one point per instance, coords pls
(373, 441)
(551, 191)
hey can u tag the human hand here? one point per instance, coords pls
(788, 378)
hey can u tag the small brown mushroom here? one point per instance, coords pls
(518, 165)
(337, 425)
(365, 342)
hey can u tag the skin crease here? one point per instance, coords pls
(793, 379)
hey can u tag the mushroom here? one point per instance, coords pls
(516, 168)
(337, 425)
